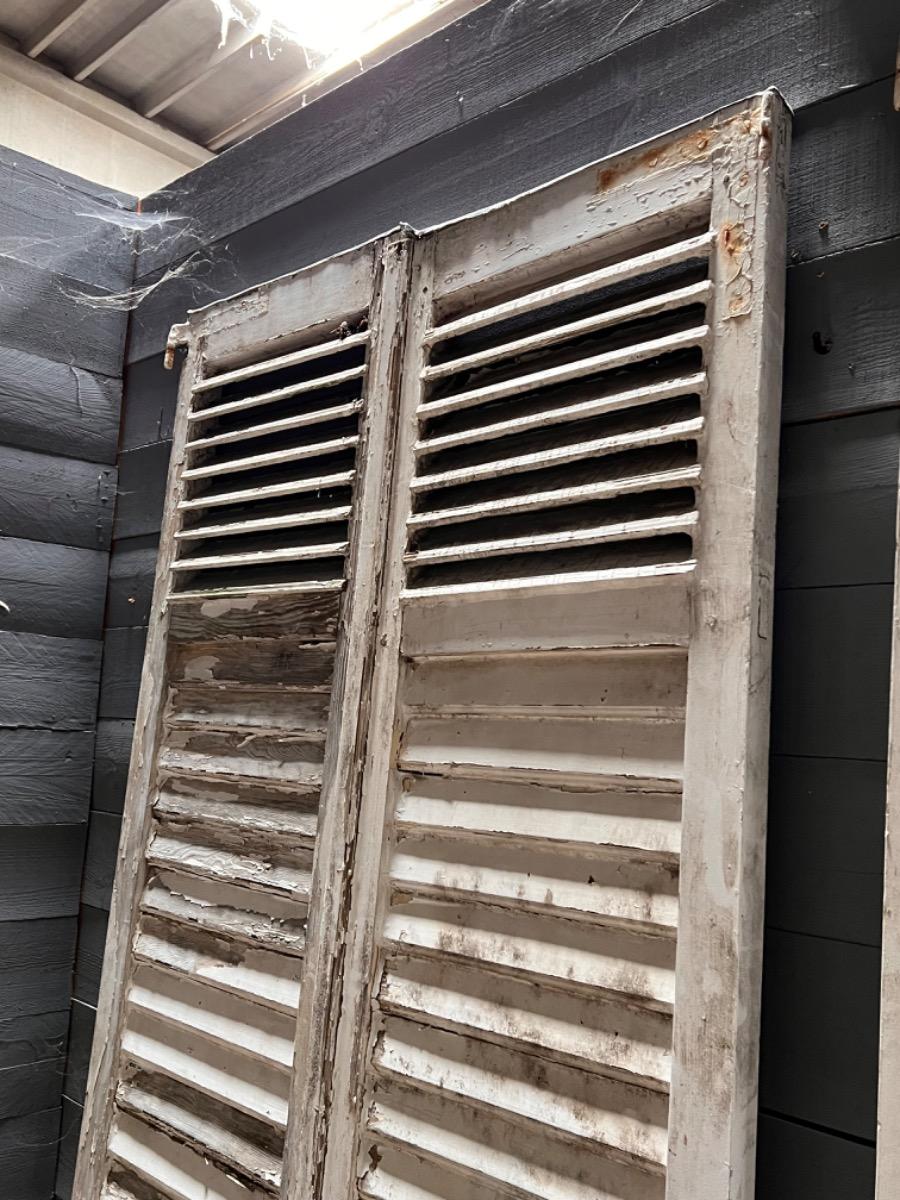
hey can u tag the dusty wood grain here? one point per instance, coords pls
(40, 871)
(46, 776)
(100, 859)
(112, 749)
(42, 313)
(123, 652)
(50, 589)
(32, 1038)
(27, 1174)
(92, 923)
(841, 349)
(837, 499)
(141, 490)
(55, 408)
(51, 499)
(36, 963)
(48, 682)
(148, 410)
(132, 563)
(56, 221)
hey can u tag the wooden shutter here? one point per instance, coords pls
(551, 986)
(240, 765)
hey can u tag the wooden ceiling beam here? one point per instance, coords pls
(187, 75)
(55, 26)
(113, 41)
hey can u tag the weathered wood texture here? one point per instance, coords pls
(46, 776)
(52, 589)
(26, 1154)
(54, 407)
(46, 498)
(122, 659)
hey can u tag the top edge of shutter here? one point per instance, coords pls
(235, 325)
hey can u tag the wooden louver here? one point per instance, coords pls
(530, 510)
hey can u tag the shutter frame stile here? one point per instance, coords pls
(137, 817)
(353, 1038)
(712, 1134)
(337, 841)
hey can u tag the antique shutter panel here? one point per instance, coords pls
(561, 843)
(249, 705)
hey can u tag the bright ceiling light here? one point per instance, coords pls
(339, 28)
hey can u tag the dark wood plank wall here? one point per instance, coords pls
(60, 393)
(504, 100)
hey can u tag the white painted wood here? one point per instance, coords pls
(610, 361)
(716, 1030)
(887, 1144)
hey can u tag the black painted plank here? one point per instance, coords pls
(57, 590)
(795, 1162)
(820, 1031)
(844, 173)
(49, 314)
(112, 751)
(70, 1128)
(57, 408)
(832, 654)
(36, 964)
(100, 859)
(842, 352)
(837, 500)
(505, 51)
(81, 1035)
(142, 489)
(92, 924)
(15, 160)
(40, 874)
(32, 1038)
(48, 682)
(31, 1089)
(27, 1158)
(132, 567)
(826, 848)
(45, 498)
(45, 778)
(148, 413)
(123, 657)
(50, 225)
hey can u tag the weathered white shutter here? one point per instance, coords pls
(247, 718)
(551, 986)
(442, 867)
